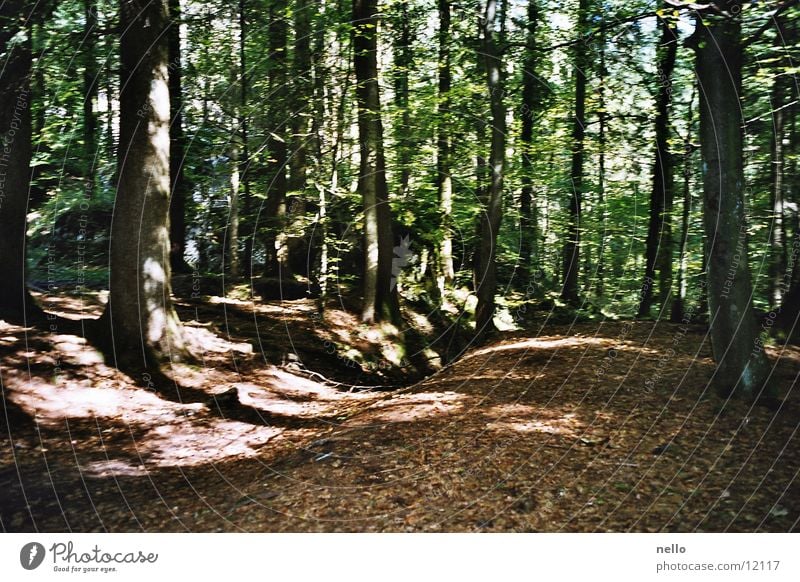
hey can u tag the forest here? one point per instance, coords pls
(399, 265)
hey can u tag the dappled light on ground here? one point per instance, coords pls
(590, 427)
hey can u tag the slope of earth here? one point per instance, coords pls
(588, 427)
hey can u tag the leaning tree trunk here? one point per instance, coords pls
(16, 304)
(658, 249)
(493, 210)
(145, 328)
(571, 258)
(737, 346)
(380, 294)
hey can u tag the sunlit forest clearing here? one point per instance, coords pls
(408, 265)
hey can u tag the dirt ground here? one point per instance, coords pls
(588, 427)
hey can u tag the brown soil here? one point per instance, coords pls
(588, 427)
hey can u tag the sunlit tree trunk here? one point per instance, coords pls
(602, 117)
(658, 249)
(737, 347)
(444, 179)
(380, 296)
(777, 264)
(145, 329)
(492, 212)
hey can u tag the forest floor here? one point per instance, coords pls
(601, 426)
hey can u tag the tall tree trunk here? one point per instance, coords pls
(243, 192)
(602, 117)
(380, 294)
(738, 351)
(177, 151)
(302, 102)
(16, 304)
(145, 328)
(493, 211)
(569, 292)
(679, 302)
(777, 264)
(444, 179)
(404, 61)
(527, 219)
(90, 79)
(658, 253)
(275, 206)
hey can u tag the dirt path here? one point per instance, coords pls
(570, 428)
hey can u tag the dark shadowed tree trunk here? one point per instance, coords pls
(380, 295)
(275, 206)
(569, 292)
(90, 79)
(16, 304)
(737, 345)
(492, 212)
(177, 152)
(679, 302)
(527, 218)
(658, 249)
(145, 329)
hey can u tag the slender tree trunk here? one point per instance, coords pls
(243, 193)
(16, 304)
(778, 239)
(737, 346)
(528, 226)
(493, 211)
(90, 79)
(679, 303)
(659, 232)
(443, 145)
(145, 327)
(380, 295)
(404, 61)
(602, 116)
(569, 292)
(177, 152)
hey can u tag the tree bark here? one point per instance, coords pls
(527, 220)
(177, 140)
(444, 178)
(493, 211)
(380, 296)
(90, 80)
(737, 346)
(275, 206)
(569, 292)
(658, 253)
(145, 329)
(679, 302)
(16, 304)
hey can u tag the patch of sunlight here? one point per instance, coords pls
(542, 344)
(411, 407)
(50, 404)
(186, 445)
(290, 384)
(529, 419)
(76, 350)
(421, 322)
(206, 341)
